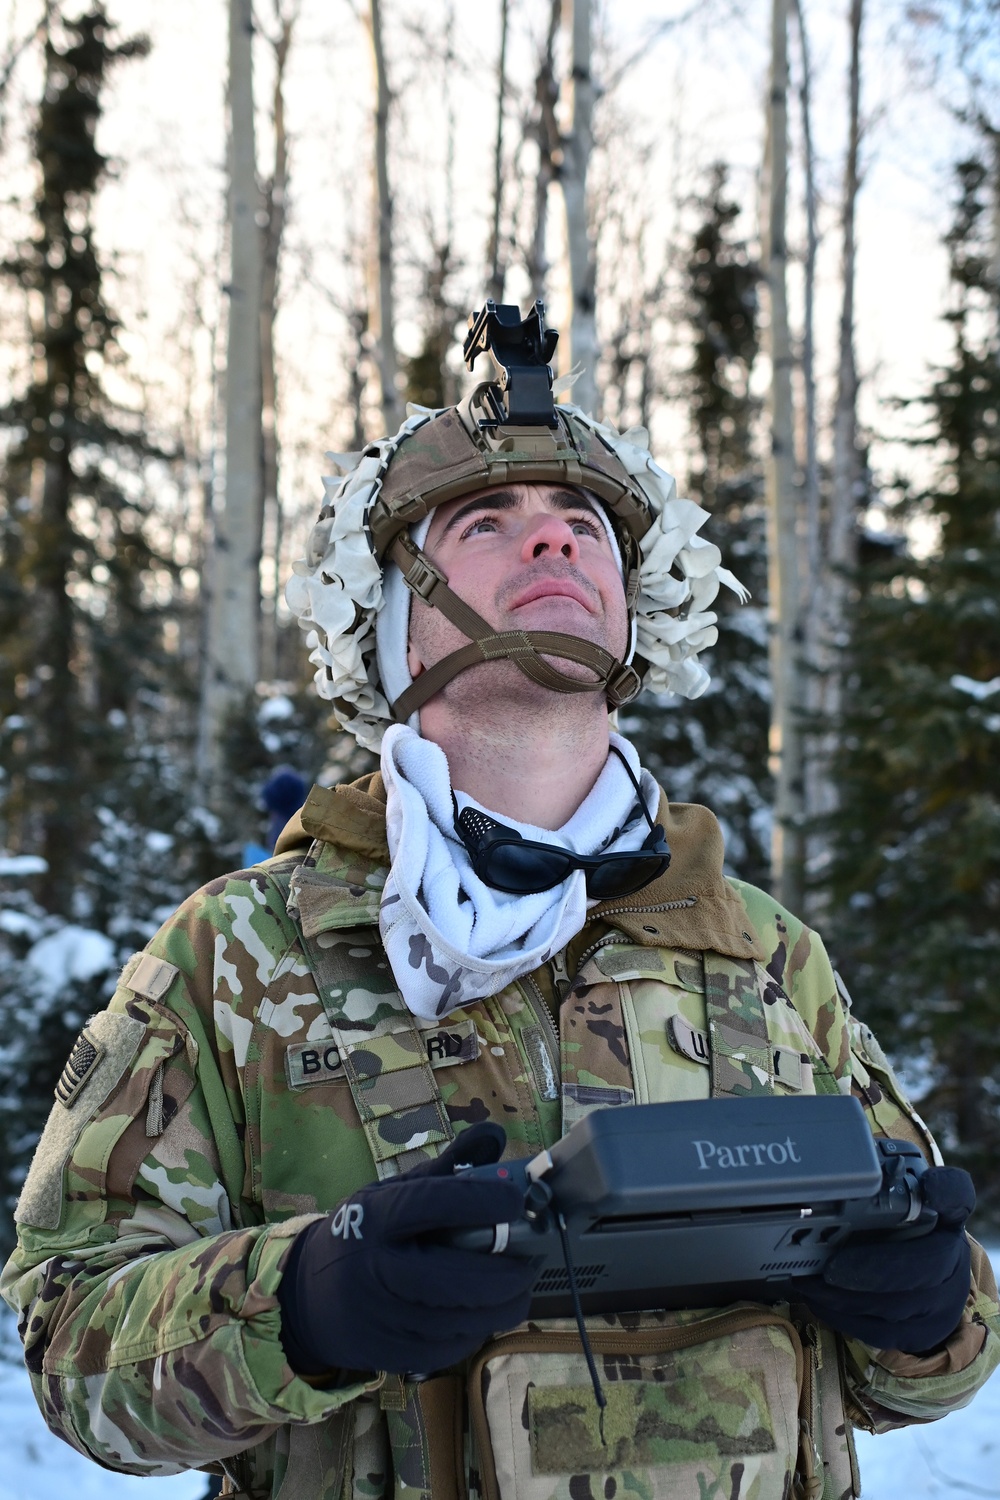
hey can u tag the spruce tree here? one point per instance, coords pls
(95, 810)
(79, 638)
(916, 879)
(714, 749)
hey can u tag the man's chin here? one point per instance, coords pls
(498, 690)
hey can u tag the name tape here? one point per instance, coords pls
(320, 1062)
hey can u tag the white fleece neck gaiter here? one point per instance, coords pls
(451, 939)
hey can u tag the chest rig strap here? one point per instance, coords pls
(742, 1057)
(382, 1051)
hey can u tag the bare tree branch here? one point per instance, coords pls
(653, 35)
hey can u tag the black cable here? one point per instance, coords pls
(638, 789)
(599, 1395)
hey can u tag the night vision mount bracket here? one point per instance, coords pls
(521, 350)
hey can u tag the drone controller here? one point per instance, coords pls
(699, 1204)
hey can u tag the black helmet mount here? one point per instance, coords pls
(521, 349)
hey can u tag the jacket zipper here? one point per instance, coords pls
(610, 938)
(621, 911)
(560, 975)
(606, 941)
(611, 1341)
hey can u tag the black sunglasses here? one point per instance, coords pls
(505, 860)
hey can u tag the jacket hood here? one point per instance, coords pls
(691, 905)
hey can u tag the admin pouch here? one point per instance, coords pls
(696, 1405)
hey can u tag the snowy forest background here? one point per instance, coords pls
(234, 239)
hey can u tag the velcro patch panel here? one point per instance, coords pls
(631, 963)
(151, 977)
(102, 1053)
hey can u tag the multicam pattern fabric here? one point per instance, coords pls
(152, 1242)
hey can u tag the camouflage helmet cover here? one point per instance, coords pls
(671, 574)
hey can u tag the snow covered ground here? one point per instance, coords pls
(957, 1457)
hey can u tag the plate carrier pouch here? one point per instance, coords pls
(703, 1401)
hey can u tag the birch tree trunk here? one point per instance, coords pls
(275, 207)
(783, 570)
(577, 144)
(381, 301)
(812, 589)
(548, 139)
(813, 548)
(495, 280)
(832, 596)
(233, 646)
(844, 498)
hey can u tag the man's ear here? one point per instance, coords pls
(413, 662)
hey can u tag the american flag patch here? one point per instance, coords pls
(87, 1051)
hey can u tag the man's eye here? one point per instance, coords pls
(480, 524)
(583, 523)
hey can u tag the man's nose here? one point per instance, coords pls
(550, 536)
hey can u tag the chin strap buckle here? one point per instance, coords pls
(419, 574)
(624, 684)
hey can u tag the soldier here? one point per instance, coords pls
(232, 1238)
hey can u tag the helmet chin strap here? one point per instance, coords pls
(620, 682)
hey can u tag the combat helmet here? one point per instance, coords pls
(508, 429)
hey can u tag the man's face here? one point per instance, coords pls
(525, 557)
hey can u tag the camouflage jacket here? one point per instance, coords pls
(207, 1114)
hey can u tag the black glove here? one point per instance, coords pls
(367, 1288)
(907, 1294)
